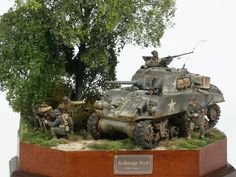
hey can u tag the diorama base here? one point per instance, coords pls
(38, 161)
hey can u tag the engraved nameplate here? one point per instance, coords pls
(133, 164)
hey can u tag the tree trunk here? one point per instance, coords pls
(80, 73)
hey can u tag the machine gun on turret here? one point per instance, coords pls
(167, 60)
(162, 62)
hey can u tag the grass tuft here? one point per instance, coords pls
(29, 135)
(211, 136)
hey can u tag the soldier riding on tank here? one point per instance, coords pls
(154, 60)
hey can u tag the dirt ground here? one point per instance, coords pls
(81, 145)
(77, 145)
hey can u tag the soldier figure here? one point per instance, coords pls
(67, 104)
(195, 115)
(42, 111)
(60, 127)
(154, 60)
(65, 109)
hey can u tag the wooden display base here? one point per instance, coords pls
(37, 161)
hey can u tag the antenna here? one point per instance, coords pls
(193, 51)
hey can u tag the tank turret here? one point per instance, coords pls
(154, 106)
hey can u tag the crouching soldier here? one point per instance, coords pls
(42, 111)
(60, 127)
(195, 118)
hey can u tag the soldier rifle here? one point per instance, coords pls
(40, 120)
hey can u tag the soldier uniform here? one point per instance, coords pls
(195, 115)
(154, 60)
(65, 109)
(60, 126)
(42, 111)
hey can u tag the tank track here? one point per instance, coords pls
(213, 114)
(144, 135)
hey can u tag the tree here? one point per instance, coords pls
(30, 62)
(46, 43)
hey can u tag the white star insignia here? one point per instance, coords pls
(172, 105)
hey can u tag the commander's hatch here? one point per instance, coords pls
(163, 62)
(146, 58)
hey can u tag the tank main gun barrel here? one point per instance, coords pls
(123, 82)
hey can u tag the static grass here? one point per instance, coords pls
(31, 136)
(124, 144)
(211, 136)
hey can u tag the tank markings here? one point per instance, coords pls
(172, 105)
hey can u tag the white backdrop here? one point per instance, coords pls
(195, 20)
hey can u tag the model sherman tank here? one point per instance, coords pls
(154, 106)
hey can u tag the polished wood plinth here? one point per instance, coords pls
(209, 161)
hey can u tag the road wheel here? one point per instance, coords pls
(213, 114)
(173, 132)
(92, 126)
(144, 135)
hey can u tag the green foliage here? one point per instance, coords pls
(80, 114)
(30, 56)
(28, 135)
(48, 43)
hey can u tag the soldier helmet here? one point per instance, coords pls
(66, 99)
(44, 107)
(154, 53)
(56, 112)
(44, 104)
